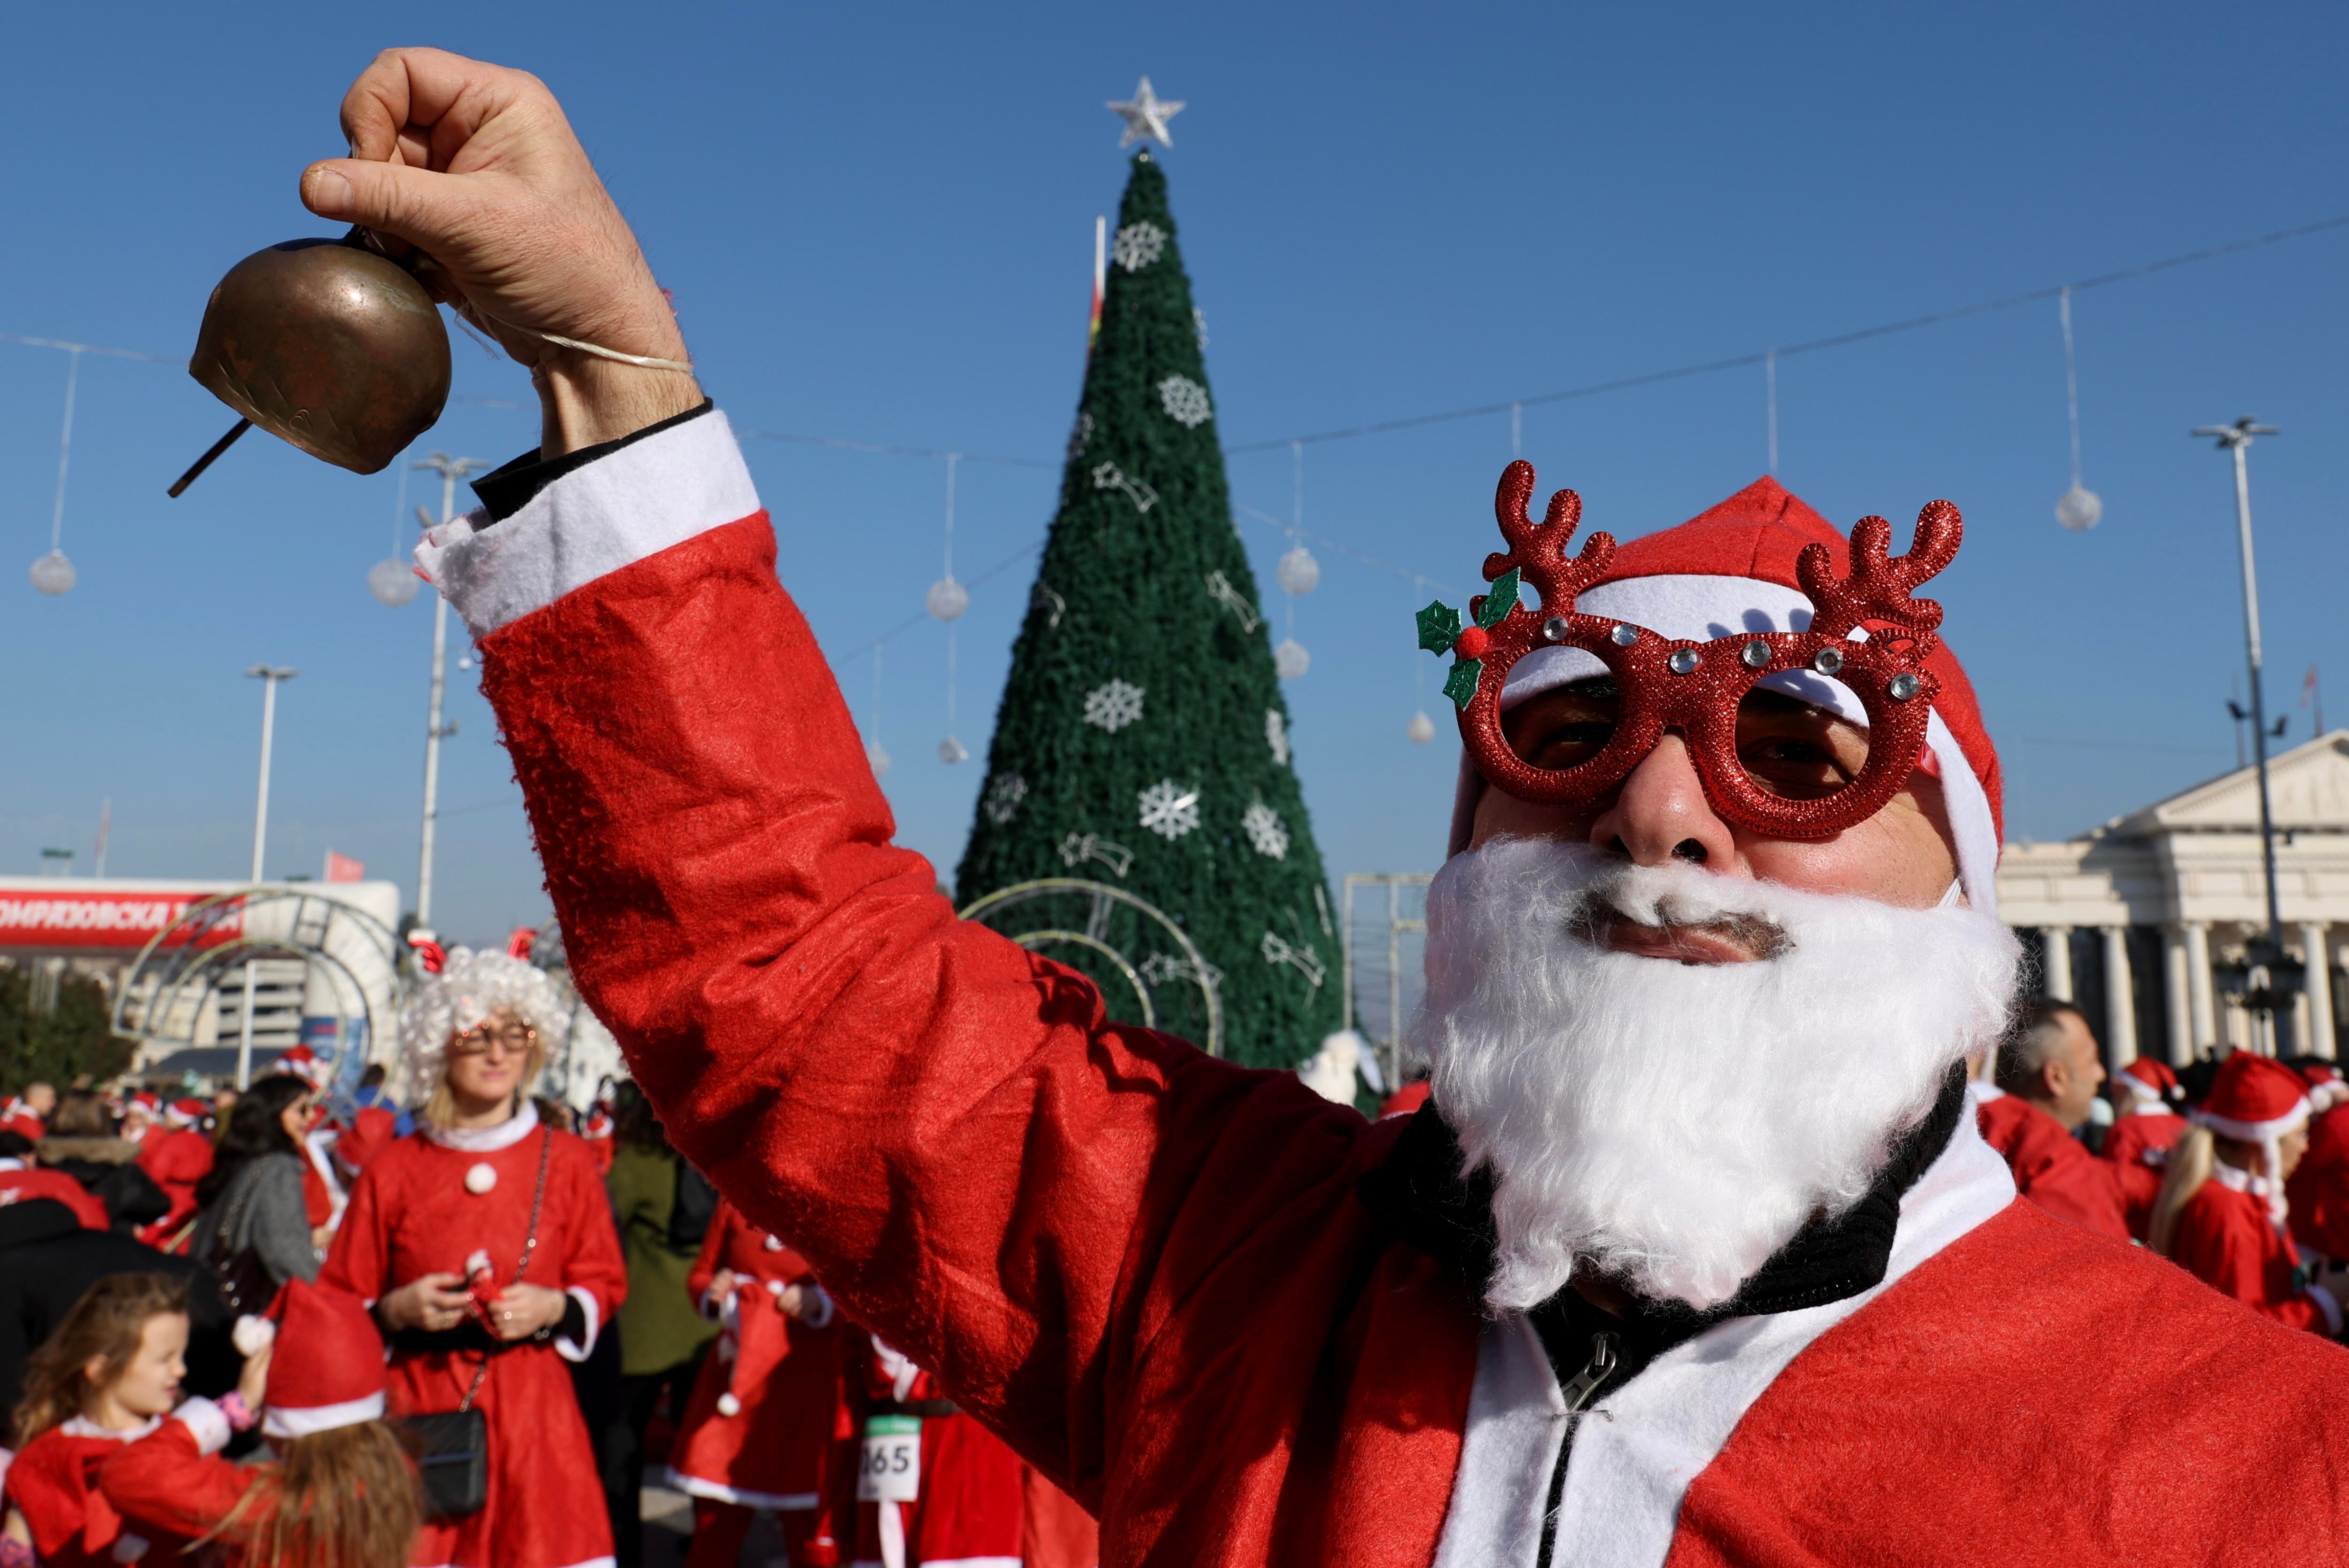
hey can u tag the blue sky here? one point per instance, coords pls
(877, 223)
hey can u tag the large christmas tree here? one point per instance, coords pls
(1142, 741)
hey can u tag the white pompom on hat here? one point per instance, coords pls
(473, 985)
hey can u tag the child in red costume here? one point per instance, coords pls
(959, 1501)
(341, 1494)
(105, 1379)
(2220, 1215)
(769, 1418)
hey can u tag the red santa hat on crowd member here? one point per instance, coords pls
(1731, 569)
(2325, 1085)
(327, 1371)
(188, 1112)
(304, 1064)
(2256, 1100)
(2151, 1083)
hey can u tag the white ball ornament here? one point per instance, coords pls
(1297, 572)
(877, 759)
(947, 599)
(773, 1243)
(951, 750)
(480, 1179)
(53, 574)
(392, 581)
(1290, 659)
(728, 1405)
(1421, 729)
(2079, 509)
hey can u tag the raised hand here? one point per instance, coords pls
(475, 166)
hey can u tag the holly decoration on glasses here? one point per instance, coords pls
(1440, 633)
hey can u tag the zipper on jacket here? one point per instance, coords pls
(1579, 1390)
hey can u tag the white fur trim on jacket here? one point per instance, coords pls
(1702, 607)
(613, 512)
(205, 1421)
(1632, 1465)
(485, 1139)
(718, 1491)
(568, 1349)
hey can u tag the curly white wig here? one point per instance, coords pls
(470, 987)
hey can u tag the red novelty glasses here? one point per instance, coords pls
(1769, 762)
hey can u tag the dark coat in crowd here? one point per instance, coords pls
(48, 1260)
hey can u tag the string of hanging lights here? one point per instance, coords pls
(53, 574)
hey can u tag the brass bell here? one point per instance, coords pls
(325, 344)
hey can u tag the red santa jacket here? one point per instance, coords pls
(54, 1482)
(1152, 1271)
(2137, 1149)
(174, 1482)
(2228, 1239)
(2318, 1190)
(2051, 1167)
(21, 1183)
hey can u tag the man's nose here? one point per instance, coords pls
(1661, 813)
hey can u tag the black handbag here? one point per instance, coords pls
(452, 1446)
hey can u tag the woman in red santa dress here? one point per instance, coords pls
(933, 1485)
(485, 1243)
(2318, 1189)
(2220, 1215)
(2146, 1094)
(769, 1417)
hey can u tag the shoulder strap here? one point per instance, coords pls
(537, 1205)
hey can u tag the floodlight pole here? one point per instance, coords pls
(268, 676)
(2236, 441)
(450, 470)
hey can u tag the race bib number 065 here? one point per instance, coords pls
(891, 1471)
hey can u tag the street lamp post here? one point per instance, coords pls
(268, 676)
(2266, 951)
(450, 470)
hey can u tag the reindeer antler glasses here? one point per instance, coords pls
(1769, 762)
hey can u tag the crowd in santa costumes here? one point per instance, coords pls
(1697, 1251)
(176, 1154)
(770, 1426)
(2317, 1192)
(484, 1244)
(2221, 1211)
(2047, 1074)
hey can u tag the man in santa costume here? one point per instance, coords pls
(1696, 1253)
(2047, 1077)
(2146, 1125)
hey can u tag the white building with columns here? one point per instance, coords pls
(2129, 920)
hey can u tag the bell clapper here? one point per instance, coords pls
(215, 450)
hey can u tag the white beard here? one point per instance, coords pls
(1671, 1126)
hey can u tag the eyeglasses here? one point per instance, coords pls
(1768, 760)
(480, 1040)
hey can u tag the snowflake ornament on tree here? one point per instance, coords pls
(1185, 401)
(1114, 707)
(1170, 811)
(1261, 823)
(1002, 802)
(1137, 245)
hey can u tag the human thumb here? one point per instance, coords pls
(418, 205)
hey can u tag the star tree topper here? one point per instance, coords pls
(1146, 116)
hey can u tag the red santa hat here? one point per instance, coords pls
(327, 1371)
(189, 1112)
(1731, 569)
(2151, 1081)
(304, 1064)
(2325, 1085)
